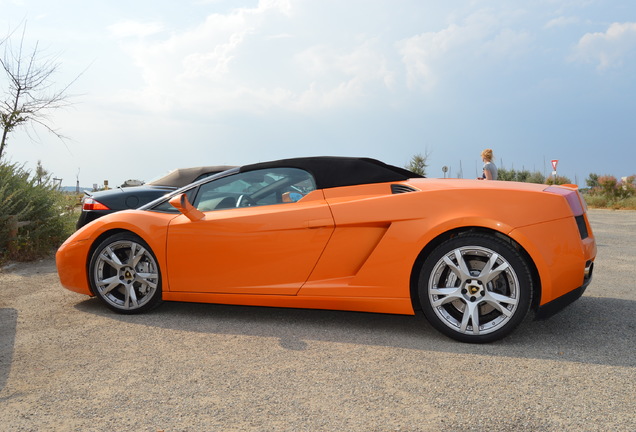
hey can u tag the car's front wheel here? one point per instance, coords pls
(475, 288)
(124, 274)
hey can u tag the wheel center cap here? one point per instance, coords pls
(128, 274)
(473, 288)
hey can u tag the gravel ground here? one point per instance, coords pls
(68, 364)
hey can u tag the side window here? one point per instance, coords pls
(166, 207)
(255, 188)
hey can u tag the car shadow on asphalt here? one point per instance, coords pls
(592, 330)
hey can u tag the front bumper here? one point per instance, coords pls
(70, 260)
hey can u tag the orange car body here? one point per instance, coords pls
(345, 248)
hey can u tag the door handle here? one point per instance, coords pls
(319, 223)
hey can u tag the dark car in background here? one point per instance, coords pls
(98, 204)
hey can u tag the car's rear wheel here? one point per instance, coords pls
(475, 288)
(124, 274)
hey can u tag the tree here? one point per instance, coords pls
(536, 177)
(592, 181)
(41, 174)
(30, 97)
(418, 163)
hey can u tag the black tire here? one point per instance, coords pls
(454, 293)
(125, 275)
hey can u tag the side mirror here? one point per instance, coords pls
(181, 203)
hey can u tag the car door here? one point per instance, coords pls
(263, 233)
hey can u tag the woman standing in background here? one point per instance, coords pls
(490, 169)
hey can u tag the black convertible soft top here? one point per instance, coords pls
(335, 171)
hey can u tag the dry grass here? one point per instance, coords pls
(600, 201)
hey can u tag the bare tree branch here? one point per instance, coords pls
(30, 97)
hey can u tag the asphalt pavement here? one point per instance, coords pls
(69, 364)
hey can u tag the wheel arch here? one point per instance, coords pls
(461, 231)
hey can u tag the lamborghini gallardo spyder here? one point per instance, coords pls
(344, 233)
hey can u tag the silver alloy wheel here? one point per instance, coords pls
(126, 275)
(474, 290)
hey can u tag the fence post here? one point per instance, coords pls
(13, 226)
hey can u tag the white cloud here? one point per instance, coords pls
(124, 29)
(482, 35)
(342, 76)
(562, 21)
(283, 6)
(251, 59)
(507, 43)
(420, 53)
(607, 49)
(178, 70)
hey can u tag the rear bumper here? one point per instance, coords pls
(87, 216)
(547, 310)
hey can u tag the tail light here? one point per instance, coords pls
(572, 197)
(577, 204)
(93, 204)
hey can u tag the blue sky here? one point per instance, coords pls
(167, 84)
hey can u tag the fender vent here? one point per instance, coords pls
(402, 188)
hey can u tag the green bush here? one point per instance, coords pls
(524, 176)
(628, 203)
(558, 180)
(595, 201)
(38, 202)
(600, 201)
(608, 192)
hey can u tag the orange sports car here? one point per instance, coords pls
(349, 234)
